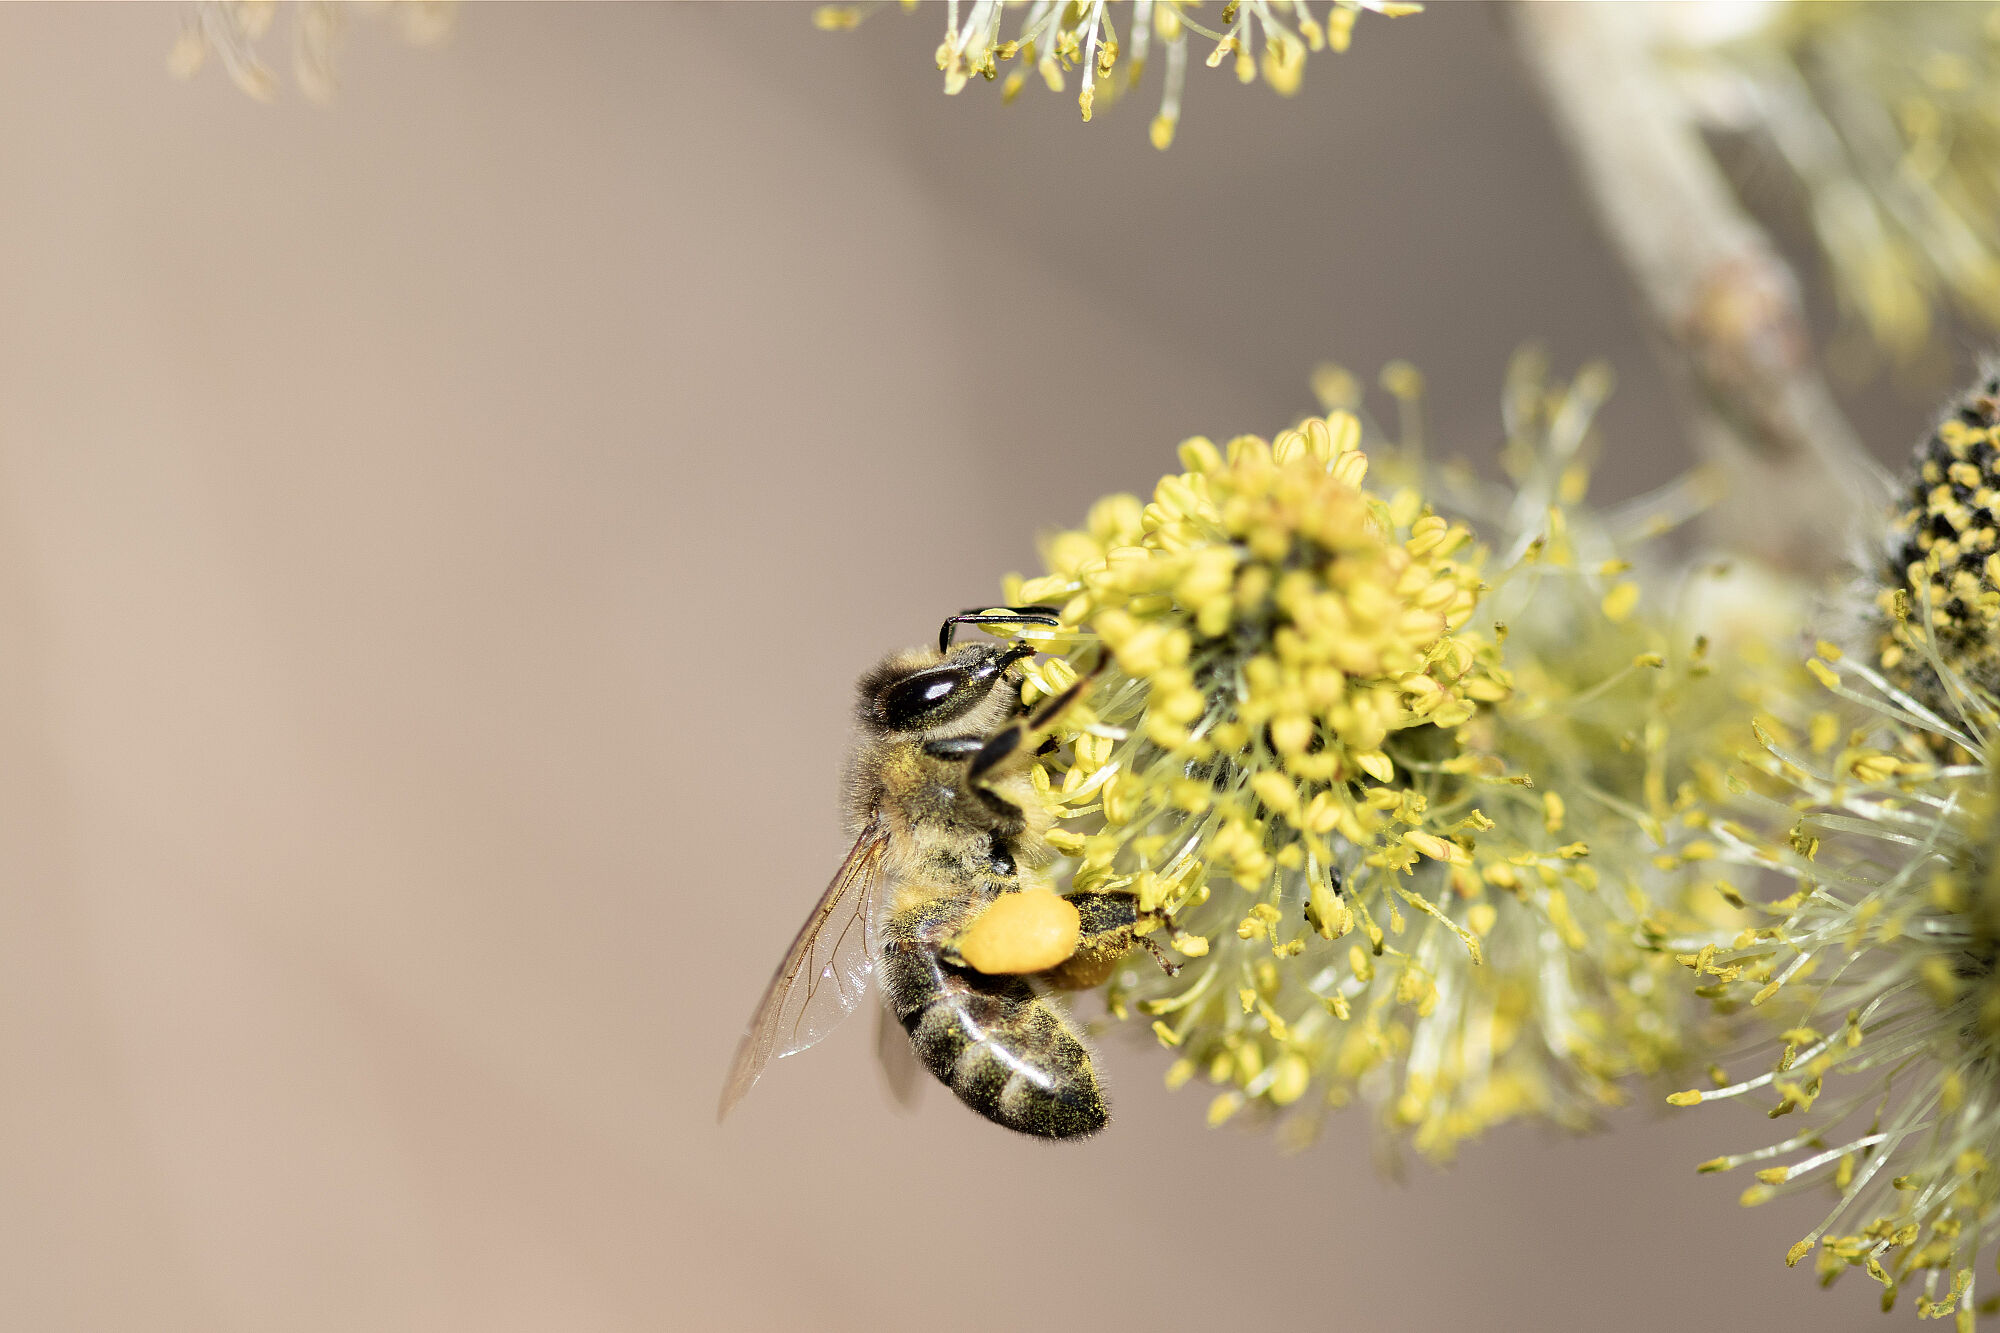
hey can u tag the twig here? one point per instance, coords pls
(1715, 288)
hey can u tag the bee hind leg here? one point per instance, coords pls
(1110, 924)
(1152, 946)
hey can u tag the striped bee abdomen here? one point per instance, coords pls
(1005, 1051)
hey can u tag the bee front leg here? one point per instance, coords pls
(1010, 738)
(1001, 816)
(995, 749)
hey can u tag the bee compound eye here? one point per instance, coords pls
(923, 699)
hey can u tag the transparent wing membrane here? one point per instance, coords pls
(824, 974)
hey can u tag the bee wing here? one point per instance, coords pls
(824, 974)
(900, 1069)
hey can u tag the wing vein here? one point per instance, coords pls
(802, 1015)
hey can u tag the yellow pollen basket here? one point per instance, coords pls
(1029, 931)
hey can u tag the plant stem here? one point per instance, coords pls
(1722, 300)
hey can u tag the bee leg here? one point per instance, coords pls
(1109, 926)
(1008, 739)
(1004, 818)
(1167, 965)
(1105, 916)
(1141, 934)
(1055, 707)
(994, 749)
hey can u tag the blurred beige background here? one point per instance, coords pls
(437, 534)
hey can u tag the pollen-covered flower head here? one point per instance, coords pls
(1108, 48)
(1940, 584)
(1881, 969)
(1301, 749)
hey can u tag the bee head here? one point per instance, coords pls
(923, 690)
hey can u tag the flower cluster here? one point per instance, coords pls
(1881, 968)
(1408, 860)
(1056, 38)
(1888, 117)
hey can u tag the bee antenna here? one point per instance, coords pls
(1006, 615)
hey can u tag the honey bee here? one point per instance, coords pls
(949, 838)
